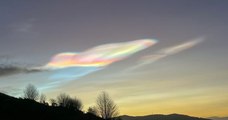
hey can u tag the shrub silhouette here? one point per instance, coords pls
(93, 110)
(65, 100)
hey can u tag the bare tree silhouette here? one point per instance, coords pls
(31, 92)
(42, 98)
(63, 99)
(53, 102)
(106, 107)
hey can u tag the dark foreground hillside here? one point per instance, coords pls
(162, 117)
(22, 109)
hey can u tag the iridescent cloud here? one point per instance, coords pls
(102, 55)
(95, 58)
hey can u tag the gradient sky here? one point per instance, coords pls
(193, 81)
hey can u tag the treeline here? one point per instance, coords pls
(105, 107)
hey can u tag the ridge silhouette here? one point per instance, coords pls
(162, 117)
(24, 109)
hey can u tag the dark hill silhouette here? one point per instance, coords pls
(162, 117)
(24, 109)
(218, 118)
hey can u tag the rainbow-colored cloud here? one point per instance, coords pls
(99, 56)
(95, 58)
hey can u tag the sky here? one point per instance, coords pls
(151, 56)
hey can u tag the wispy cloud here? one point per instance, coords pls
(148, 59)
(10, 68)
(24, 27)
(11, 91)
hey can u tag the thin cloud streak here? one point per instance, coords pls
(148, 59)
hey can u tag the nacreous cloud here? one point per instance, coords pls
(102, 55)
(95, 58)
